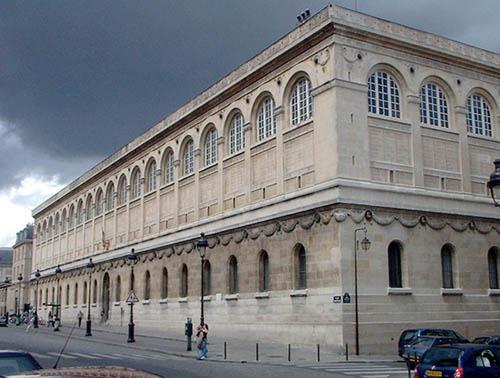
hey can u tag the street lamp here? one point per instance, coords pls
(365, 245)
(132, 257)
(90, 266)
(6, 281)
(18, 299)
(202, 245)
(494, 183)
(35, 321)
(58, 275)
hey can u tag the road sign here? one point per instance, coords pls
(346, 298)
(337, 299)
(132, 298)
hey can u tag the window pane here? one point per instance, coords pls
(493, 268)
(395, 276)
(447, 267)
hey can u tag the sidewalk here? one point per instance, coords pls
(236, 350)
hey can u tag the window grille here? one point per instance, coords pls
(189, 158)
(478, 116)
(433, 106)
(236, 136)
(266, 120)
(211, 147)
(169, 168)
(301, 102)
(383, 95)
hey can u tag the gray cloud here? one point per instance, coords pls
(79, 79)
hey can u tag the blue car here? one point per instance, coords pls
(460, 361)
(413, 353)
(408, 336)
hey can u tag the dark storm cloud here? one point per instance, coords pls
(78, 79)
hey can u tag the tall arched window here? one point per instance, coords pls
(493, 267)
(67, 295)
(84, 294)
(383, 95)
(236, 135)
(147, 285)
(301, 103)
(53, 294)
(50, 227)
(210, 147)
(164, 283)
(71, 217)
(433, 105)
(64, 221)
(394, 255)
(75, 294)
(207, 278)
(478, 115)
(94, 292)
(188, 158)
(99, 202)
(46, 295)
(447, 266)
(88, 208)
(118, 290)
(300, 267)
(266, 121)
(56, 224)
(151, 176)
(233, 275)
(136, 183)
(168, 169)
(184, 282)
(122, 190)
(79, 212)
(110, 197)
(263, 271)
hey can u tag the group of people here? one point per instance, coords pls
(202, 341)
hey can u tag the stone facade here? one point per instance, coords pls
(317, 162)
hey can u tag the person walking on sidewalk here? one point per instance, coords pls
(202, 341)
(79, 317)
(31, 321)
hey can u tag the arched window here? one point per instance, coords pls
(168, 168)
(266, 121)
(110, 197)
(478, 115)
(75, 294)
(71, 217)
(233, 275)
(301, 103)
(394, 255)
(84, 294)
(50, 227)
(433, 105)
(56, 224)
(236, 135)
(493, 267)
(207, 278)
(53, 295)
(67, 295)
(188, 158)
(94, 292)
(151, 176)
(46, 295)
(164, 283)
(263, 271)
(300, 267)
(99, 202)
(147, 285)
(88, 208)
(136, 183)
(210, 147)
(79, 212)
(118, 290)
(447, 266)
(383, 95)
(64, 221)
(122, 191)
(44, 230)
(132, 280)
(184, 282)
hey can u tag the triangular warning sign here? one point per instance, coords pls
(132, 298)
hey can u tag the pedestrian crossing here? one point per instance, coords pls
(93, 356)
(361, 369)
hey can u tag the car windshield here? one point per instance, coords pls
(16, 364)
(439, 332)
(423, 342)
(442, 356)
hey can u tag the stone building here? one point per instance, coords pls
(5, 275)
(347, 123)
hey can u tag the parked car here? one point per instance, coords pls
(3, 321)
(16, 361)
(413, 353)
(460, 361)
(490, 340)
(410, 335)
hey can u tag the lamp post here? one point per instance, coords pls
(18, 299)
(35, 321)
(132, 257)
(90, 266)
(6, 281)
(365, 245)
(202, 245)
(58, 275)
(494, 183)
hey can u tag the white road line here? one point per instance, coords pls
(55, 354)
(374, 376)
(351, 368)
(39, 355)
(107, 356)
(87, 356)
(127, 356)
(371, 372)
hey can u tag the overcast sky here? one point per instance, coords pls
(79, 79)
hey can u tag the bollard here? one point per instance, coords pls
(289, 353)
(225, 351)
(317, 349)
(256, 351)
(347, 352)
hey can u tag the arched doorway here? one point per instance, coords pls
(105, 296)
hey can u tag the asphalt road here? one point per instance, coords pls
(45, 347)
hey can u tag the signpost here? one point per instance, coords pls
(346, 298)
(337, 299)
(132, 298)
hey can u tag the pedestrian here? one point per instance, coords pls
(103, 319)
(30, 322)
(80, 317)
(50, 323)
(205, 336)
(200, 342)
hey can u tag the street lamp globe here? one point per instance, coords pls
(37, 274)
(494, 183)
(7, 280)
(20, 277)
(365, 244)
(132, 256)
(202, 245)
(90, 264)
(58, 270)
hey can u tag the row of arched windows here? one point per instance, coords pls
(384, 99)
(448, 267)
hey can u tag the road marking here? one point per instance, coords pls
(39, 355)
(351, 368)
(55, 354)
(87, 356)
(128, 356)
(107, 356)
(375, 376)
(371, 372)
